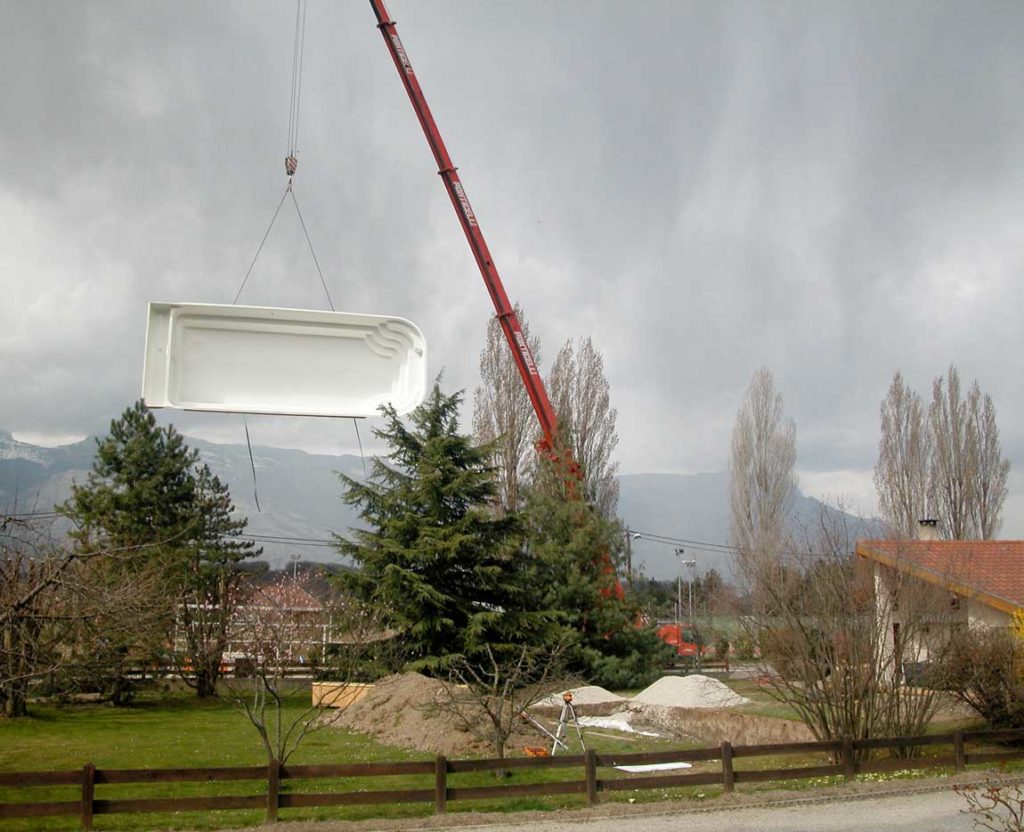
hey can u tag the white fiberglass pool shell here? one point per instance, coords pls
(296, 362)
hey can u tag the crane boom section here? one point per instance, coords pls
(507, 317)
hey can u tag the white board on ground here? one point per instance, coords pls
(654, 767)
(293, 362)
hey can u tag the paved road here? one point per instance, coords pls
(937, 811)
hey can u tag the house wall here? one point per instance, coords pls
(982, 615)
(963, 612)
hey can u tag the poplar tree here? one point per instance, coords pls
(503, 415)
(762, 482)
(945, 462)
(581, 396)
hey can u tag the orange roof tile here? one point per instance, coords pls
(990, 570)
(286, 594)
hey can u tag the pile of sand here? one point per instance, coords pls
(690, 692)
(587, 695)
(591, 700)
(409, 710)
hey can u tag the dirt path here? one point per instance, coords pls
(892, 806)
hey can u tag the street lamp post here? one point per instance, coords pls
(692, 564)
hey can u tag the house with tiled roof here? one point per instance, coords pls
(973, 583)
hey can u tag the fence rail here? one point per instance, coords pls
(848, 758)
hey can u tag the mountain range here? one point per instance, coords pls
(300, 504)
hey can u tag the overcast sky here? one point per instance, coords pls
(833, 190)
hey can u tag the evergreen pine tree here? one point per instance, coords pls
(140, 490)
(434, 557)
(162, 522)
(573, 552)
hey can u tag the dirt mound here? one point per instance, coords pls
(690, 692)
(411, 711)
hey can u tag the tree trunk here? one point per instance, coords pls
(13, 692)
(14, 699)
(499, 751)
(207, 674)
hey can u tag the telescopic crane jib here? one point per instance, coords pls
(506, 314)
(492, 280)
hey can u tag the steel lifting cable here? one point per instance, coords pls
(291, 164)
(298, 50)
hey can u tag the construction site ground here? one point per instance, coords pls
(411, 711)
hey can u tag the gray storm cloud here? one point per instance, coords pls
(830, 189)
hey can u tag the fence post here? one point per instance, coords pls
(958, 751)
(728, 775)
(273, 789)
(88, 793)
(849, 763)
(590, 766)
(440, 784)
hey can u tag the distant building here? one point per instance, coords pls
(975, 583)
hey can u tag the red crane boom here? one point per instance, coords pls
(449, 175)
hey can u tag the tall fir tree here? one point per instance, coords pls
(140, 491)
(434, 558)
(573, 554)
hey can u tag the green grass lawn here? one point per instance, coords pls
(176, 730)
(165, 730)
(161, 731)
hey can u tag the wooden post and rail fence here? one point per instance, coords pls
(846, 758)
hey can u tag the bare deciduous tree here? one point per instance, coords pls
(502, 411)
(952, 477)
(203, 627)
(581, 397)
(281, 628)
(761, 482)
(991, 470)
(904, 454)
(948, 465)
(996, 805)
(277, 629)
(60, 618)
(984, 668)
(830, 649)
(489, 697)
(28, 606)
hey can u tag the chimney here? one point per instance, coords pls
(928, 529)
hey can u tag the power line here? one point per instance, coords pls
(720, 548)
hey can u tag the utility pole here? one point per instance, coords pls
(679, 592)
(629, 556)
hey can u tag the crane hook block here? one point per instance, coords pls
(291, 164)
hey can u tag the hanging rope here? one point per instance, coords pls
(309, 242)
(252, 464)
(266, 234)
(291, 162)
(359, 439)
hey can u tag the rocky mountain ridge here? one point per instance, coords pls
(301, 506)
